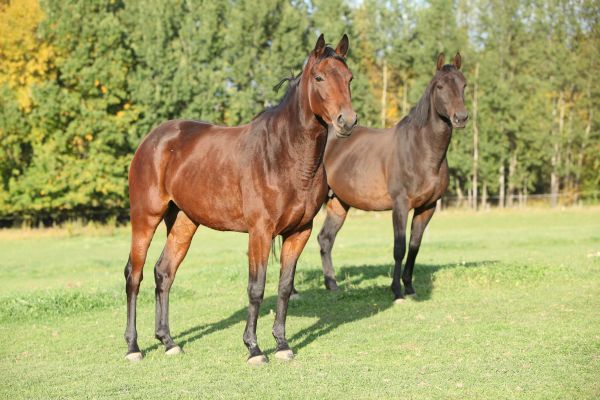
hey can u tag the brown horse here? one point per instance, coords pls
(400, 168)
(265, 178)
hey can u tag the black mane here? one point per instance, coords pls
(419, 114)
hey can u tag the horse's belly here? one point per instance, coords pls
(367, 196)
(209, 200)
(215, 215)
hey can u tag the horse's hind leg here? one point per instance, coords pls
(143, 226)
(336, 215)
(180, 230)
(419, 223)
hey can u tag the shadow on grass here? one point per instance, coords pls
(354, 301)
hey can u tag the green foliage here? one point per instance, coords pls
(82, 82)
(14, 143)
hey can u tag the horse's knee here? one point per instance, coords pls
(128, 268)
(133, 280)
(399, 253)
(286, 285)
(413, 246)
(163, 278)
(325, 241)
(255, 293)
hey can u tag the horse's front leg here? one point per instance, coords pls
(420, 220)
(259, 245)
(293, 244)
(399, 216)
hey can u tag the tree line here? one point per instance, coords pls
(83, 81)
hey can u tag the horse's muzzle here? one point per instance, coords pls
(459, 120)
(344, 129)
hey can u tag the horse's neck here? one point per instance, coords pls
(438, 136)
(302, 142)
(432, 139)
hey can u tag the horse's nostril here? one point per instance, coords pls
(461, 117)
(340, 119)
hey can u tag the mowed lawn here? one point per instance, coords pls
(508, 306)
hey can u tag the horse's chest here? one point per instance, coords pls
(430, 189)
(303, 205)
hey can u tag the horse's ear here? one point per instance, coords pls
(320, 46)
(342, 47)
(440, 61)
(457, 60)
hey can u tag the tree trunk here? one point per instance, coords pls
(384, 94)
(501, 182)
(469, 198)
(405, 97)
(555, 161)
(586, 134)
(512, 168)
(459, 192)
(521, 197)
(569, 173)
(475, 139)
(484, 196)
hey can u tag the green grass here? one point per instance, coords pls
(508, 306)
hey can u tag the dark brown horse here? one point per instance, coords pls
(400, 168)
(265, 178)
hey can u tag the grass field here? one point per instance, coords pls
(508, 306)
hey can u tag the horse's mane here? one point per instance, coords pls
(293, 82)
(419, 114)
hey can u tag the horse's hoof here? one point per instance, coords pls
(411, 296)
(174, 351)
(331, 284)
(399, 300)
(134, 357)
(295, 296)
(284, 355)
(258, 360)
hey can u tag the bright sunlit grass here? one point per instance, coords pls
(507, 307)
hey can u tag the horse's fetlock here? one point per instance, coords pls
(278, 331)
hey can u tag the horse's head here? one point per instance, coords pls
(328, 83)
(448, 92)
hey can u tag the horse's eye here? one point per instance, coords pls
(440, 86)
(319, 78)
